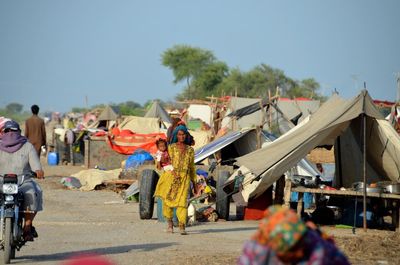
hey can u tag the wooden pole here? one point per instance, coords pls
(364, 118)
(364, 173)
(269, 111)
(259, 128)
(287, 193)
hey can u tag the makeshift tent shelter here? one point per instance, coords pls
(244, 142)
(109, 114)
(239, 143)
(294, 107)
(338, 122)
(107, 118)
(251, 120)
(201, 111)
(134, 133)
(128, 144)
(157, 111)
(247, 110)
(140, 124)
(201, 138)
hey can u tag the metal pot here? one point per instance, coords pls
(375, 189)
(359, 186)
(393, 188)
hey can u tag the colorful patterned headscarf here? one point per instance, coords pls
(174, 137)
(280, 229)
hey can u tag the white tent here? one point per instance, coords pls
(338, 122)
(140, 124)
(157, 111)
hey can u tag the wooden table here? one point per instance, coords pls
(394, 198)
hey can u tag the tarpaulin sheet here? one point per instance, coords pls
(127, 145)
(218, 144)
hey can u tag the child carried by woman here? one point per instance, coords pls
(163, 160)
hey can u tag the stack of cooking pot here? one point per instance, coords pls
(384, 186)
(359, 186)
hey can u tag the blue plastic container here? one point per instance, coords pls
(52, 159)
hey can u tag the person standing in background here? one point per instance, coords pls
(35, 130)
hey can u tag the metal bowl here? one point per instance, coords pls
(393, 188)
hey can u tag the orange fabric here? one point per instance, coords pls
(127, 144)
(115, 131)
(256, 206)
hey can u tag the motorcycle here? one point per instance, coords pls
(11, 216)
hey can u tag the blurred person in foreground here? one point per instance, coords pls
(18, 156)
(282, 238)
(88, 259)
(35, 130)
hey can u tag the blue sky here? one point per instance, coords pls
(57, 53)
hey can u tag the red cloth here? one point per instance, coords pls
(127, 142)
(102, 133)
(257, 206)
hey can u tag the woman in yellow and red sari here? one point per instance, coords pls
(173, 186)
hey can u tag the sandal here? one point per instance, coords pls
(170, 227)
(33, 232)
(182, 230)
(27, 236)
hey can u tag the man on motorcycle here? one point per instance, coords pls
(18, 156)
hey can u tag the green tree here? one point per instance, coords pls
(260, 79)
(206, 83)
(254, 83)
(14, 108)
(187, 63)
(79, 110)
(130, 108)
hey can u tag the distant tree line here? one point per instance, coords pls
(204, 75)
(14, 111)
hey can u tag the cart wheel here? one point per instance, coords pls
(147, 187)
(222, 198)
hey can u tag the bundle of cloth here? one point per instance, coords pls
(283, 238)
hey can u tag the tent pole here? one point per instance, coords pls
(364, 173)
(339, 156)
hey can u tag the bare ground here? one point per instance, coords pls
(75, 222)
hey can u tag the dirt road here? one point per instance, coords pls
(75, 222)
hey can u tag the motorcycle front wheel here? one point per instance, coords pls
(7, 252)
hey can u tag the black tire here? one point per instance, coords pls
(222, 198)
(7, 241)
(12, 252)
(148, 185)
